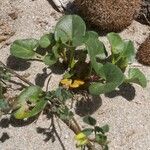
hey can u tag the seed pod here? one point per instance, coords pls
(143, 54)
(108, 15)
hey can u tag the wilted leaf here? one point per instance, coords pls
(30, 103)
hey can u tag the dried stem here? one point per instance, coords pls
(146, 18)
(74, 126)
(15, 74)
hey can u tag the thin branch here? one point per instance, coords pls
(17, 83)
(48, 83)
(56, 133)
(59, 5)
(73, 125)
(17, 75)
(146, 19)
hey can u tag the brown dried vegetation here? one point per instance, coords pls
(143, 54)
(109, 15)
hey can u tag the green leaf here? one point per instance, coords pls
(101, 139)
(105, 128)
(116, 42)
(87, 131)
(96, 49)
(65, 113)
(24, 48)
(1, 91)
(123, 51)
(4, 74)
(46, 40)
(3, 105)
(128, 51)
(91, 34)
(70, 29)
(63, 94)
(102, 129)
(136, 76)
(68, 75)
(113, 76)
(89, 120)
(126, 56)
(50, 59)
(30, 103)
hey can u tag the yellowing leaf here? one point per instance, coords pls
(80, 136)
(69, 84)
(76, 83)
(81, 139)
(66, 82)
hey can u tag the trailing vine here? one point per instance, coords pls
(88, 68)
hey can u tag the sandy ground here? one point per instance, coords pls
(127, 112)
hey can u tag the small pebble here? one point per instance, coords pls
(13, 15)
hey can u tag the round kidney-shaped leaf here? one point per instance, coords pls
(24, 48)
(46, 40)
(71, 30)
(116, 42)
(113, 76)
(50, 59)
(136, 76)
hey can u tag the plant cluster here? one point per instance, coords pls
(88, 67)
